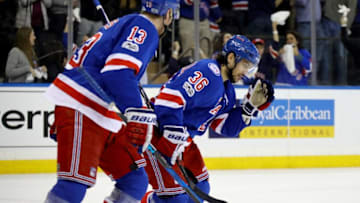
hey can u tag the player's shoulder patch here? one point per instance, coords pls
(214, 68)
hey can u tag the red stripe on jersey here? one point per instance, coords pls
(84, 100)
(240, 6)
(273, 52)
(214, 26)
(170, 97)
(119, 62)
(189, 2)
(216, 123)
(213, 3)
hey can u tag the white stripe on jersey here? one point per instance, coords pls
(121, 56)
(170, 101)
(59, 97)
(83, 90)
(113, 67)
(223, 117)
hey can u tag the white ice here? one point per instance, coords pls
(335, 185)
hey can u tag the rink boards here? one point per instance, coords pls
(304, 127)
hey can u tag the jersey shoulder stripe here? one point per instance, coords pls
(118, 61)
(170, 98)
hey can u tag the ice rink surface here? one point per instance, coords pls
(335, 185)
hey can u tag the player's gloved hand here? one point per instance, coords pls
(258, 98)
(173, 142)
(140, 126)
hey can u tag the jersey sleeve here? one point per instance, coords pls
(229, 124)
(135, 46)
(305, 62)
(169, 107)
(215, 11)
(186, 95)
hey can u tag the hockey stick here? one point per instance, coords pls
(193, 186)
(194, 196)
(165, 164)
(99, 7)
(151, 148)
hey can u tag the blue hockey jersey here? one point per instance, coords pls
(208, 8)
(196, 97)
(302, 72)
(116, 57)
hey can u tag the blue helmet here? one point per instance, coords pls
(160, 7)
(243, 48)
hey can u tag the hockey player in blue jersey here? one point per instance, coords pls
(89, 133)
(199, 96)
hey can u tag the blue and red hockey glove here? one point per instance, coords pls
(140, 126)
(259, 97)
(173, 142)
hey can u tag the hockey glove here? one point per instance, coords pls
(259, 97)
(140, 126)
(173, 142)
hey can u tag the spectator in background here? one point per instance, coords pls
(293, 70)
(259, 16)
(219, 42)
(269, 58)
(287, 5)
(234, 16)
(53, 57)
(119, 8)
(176, 61)
(33, 13)
(91, 21)
(21, 65)
(303, 20)
(353, 46)
(58, 17)
(355, 27)
(331, 26)
(186, 24)
(8, 10)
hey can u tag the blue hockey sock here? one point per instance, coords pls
(69, 190)
(180, 198)
(134, 183)
(203, 186)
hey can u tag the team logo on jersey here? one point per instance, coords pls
(188, 89)
(130, 46)
(214, 68)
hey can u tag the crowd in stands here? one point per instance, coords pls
(33, 36)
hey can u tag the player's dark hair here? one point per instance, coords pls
(298, 38)
(218, 41)
(221, 58)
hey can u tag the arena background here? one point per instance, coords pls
(304, 128)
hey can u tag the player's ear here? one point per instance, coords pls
(168, 17)
(230, 60)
